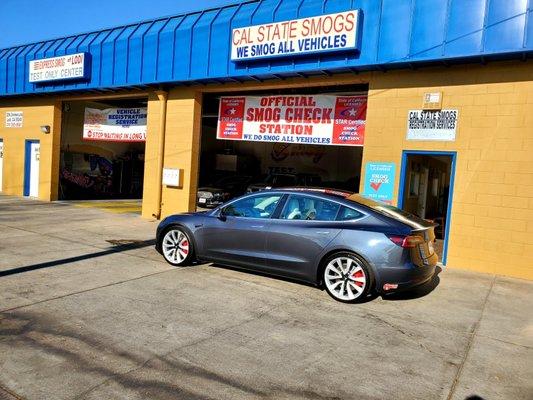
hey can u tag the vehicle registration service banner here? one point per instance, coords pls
(315, 119)
(115, 124)
(319, 34)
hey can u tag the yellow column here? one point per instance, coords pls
(179, 126)
(182, 149)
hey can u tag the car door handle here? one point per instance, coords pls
(257, 226)
(322, 232)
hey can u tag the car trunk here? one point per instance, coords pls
(422, 231)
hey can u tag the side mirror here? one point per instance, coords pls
(221, 216)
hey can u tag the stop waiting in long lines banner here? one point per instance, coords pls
(306, 119)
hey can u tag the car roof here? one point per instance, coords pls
(342, 194)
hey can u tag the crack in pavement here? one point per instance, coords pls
(473, 333)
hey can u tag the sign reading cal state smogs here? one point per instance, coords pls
(323, 33)
(72, 66)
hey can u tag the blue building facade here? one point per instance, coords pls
(195, 47)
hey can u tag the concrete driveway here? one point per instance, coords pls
(90, 311)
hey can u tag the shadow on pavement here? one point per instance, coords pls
(119, 246)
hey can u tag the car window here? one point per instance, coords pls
(309, 208)
(253, 207)
(347, 214)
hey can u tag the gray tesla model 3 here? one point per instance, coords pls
(346, 243)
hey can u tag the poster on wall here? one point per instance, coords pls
(14, 119)
(315, 119)
(432, 125)
(115, 124)
(379, 181)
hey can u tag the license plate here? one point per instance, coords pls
(202, 201)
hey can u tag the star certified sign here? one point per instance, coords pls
(320, 34)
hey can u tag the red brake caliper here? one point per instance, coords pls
(358, 274)
(185, 243)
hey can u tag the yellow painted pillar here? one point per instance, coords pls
(182, 149)
(181, 124)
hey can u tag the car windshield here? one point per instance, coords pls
(391, 211)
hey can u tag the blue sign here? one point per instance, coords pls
(379, 181)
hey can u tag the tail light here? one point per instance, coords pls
(407, 242)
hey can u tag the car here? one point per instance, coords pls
(277, 180)
(222, 190)
(350, 245)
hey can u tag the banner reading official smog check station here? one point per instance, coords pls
(115, 124)
(316, 119)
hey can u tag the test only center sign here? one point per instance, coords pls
(316, 119)
(323, 33)
(379, 181)
(72, 66)
(115, 124)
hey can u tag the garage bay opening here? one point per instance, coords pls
(102, 150)
(426, 190)
(302, 137)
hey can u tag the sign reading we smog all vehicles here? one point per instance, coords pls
(323, 33)
(432, 125)
(115, 124)
(379, 181)
(72, 66)
(316, 119)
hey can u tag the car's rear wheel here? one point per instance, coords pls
(347, 277)
(176, 246)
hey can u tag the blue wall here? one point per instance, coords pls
(195, 47)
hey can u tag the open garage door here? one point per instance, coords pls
(102, 149)
(255, 141)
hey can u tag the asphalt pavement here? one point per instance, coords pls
(89, 310)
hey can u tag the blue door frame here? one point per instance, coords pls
(27, 165)
(403, 178)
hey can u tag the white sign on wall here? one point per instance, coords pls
(323, 33)
(14, 119)
(432, 125)
(171, 177)
(115, 124)
(72, 66)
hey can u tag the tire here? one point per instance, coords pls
(346, 277)
(176, 246)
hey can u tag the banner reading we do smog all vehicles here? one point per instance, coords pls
(308, 119)
(115, 124)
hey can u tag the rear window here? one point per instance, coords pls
(391, 211)
(348, 214)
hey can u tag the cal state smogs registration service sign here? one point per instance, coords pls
(323, 33)
(306, 119)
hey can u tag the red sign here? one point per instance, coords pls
(307, 119)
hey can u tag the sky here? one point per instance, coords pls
(27, 21)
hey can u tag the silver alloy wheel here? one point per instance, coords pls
(175, 246)
(345, 278)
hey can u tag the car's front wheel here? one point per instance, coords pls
(347, 277)
(176, 246)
